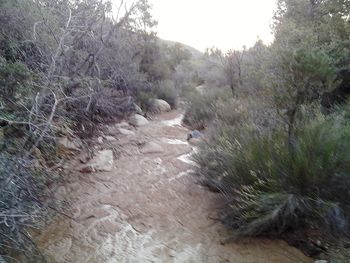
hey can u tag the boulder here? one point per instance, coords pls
(110, 138)
(152, 147)
(194, 135)
(159, 106)
(102, 161)
(126, 132)
(137, 120)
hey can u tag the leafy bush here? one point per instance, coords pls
(273, 186)
(166, 90)
(199, 111)
(213, 106)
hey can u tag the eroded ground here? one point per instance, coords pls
(149, 209)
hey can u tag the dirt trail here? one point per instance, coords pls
(149, 209)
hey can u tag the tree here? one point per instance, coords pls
(231, 65)
(301, 76)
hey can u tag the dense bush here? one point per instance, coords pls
(202, 106)
(166, 90)
(273, 186)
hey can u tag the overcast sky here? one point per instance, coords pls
(222, 23)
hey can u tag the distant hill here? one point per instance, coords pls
(196, 54)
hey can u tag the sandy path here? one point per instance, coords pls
(149, 209)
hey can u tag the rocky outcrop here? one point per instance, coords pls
(138, 120)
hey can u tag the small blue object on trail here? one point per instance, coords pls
(194, 134)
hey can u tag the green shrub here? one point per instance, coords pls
(273, 186)
(202, 108)
(199, 111)
(166, 90)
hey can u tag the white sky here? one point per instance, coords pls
(222, 23)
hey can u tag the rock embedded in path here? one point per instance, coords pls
(159, 106)
(138, 120)
(152, 147)
(102, 161)
(194, 137)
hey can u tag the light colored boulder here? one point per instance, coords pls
(110, 138)
(159, 106)
(152, 147)
(138, 120)
(126, 132)
(102, 161)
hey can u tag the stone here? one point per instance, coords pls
(67, 144)
(126, 132)
(159, 106)
(138, 120)
(110, 138)
(102, 161)
(100, 140)
(194, 135)
(152, 147)
(321, 261)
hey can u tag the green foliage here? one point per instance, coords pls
(14, 82)
(302, 76)
(214, 107)
(166, 90)
(200, 110)
(272, 188)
